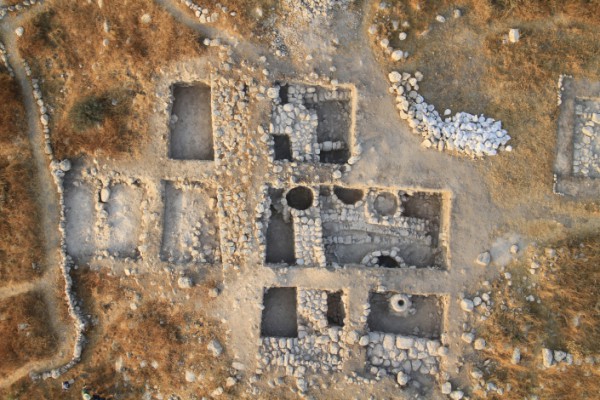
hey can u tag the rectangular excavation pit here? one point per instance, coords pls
(191, 134)
(280, 313)
(336, 312)
(190, 225)
(80, 214)
(283, 147)
(333, 130)
(280, 232)
(124, 220)
(382, 227)
(425, 321)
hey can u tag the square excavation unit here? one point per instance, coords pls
(190, 224)
(313, 124)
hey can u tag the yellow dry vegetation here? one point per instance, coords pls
(25, 332)
(20, 245)
(567, 318)
(97, 71)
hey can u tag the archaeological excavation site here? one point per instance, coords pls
(300, 199)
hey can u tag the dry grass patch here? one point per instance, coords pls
(468, 68)
(20, 246)
(25, 332)
(567, 318)
(98, 71)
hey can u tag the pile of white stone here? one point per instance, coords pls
(475, 136)
(586, 143)
(4, 10)
(204, 14)
(554, 357)
(4, 59)
(312, 9)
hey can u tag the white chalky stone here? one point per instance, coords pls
(484, 259)
(190, 376)
(516, 356)
(397, 55)
(19, 31)
(402, 378)
(185, 282)
(395, 76)
(479, 344)
(467, 305)
(446, 388)
(547, 357)
(514, 35)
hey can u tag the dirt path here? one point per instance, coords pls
(48, 204)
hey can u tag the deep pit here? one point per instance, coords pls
(191, 123)
(280, 315)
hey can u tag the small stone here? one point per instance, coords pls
(397, 55)
(146, 19)
(514, 249)
(457, 13)
(185, 282)
(104, 194)
(217, 392)
(215, 348)
(456, 395)
(190, 376)
(467, 305)
(402, 36)
(65, 165)
(402, 378)
(440, 18)
(547, 358)
(559, 355)
(479, 344)
(516, 356)
(514, 35)
(395, 76)
(19, 31)
(484, 259)
(467, 337)
(446, 388)
(213, 292)
(231, 381)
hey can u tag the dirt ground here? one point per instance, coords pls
(103, 77)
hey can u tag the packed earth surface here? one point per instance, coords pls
(315, 199)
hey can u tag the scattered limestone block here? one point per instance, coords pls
(402, 378)
(215, 348)
(185, 282)
(484, 259)
(446, 388)
(467, 305)
(514, 35)
(479, 344)
(516, 356)
(547, 358)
